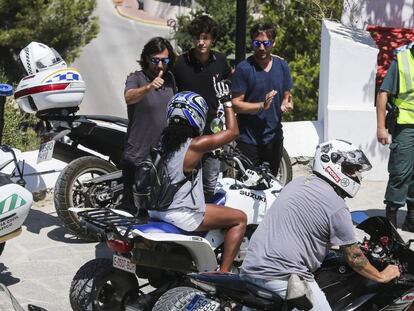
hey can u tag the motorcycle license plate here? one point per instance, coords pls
(200, 303)
(45, 151)
(123, 264)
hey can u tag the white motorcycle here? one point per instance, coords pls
(161, 252)
(15, 200)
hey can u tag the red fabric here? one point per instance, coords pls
(387, 40)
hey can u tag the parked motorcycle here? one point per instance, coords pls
(92, 145)
(15, 200)
(344, 288)
(161, 252)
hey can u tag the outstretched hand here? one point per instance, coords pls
(222, 89)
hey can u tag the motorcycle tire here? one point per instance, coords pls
(2, 245)
(99, 286)
(66, 194)
(285, 169)
(176, 299)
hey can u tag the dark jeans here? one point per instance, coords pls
(270, 153)
(400, 187)
(128, 174)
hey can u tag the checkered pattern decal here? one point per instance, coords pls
(27, 55)
(66, 76)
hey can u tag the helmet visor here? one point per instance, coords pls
(49, 60)
(353, 163)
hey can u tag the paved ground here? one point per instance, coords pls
(38, 266)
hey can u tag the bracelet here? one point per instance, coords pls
(227, 105)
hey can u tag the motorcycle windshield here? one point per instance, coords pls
(378, 226)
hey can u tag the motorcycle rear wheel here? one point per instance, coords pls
(98, 286)
(68, 192)
(176, 299)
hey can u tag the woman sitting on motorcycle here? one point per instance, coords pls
(183, 147)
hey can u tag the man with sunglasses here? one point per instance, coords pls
(261, 93)
(196, 70)
(147, 93)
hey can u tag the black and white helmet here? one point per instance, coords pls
(37, 57)
(341, 163)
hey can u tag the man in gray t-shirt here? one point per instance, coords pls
(147, 93)
(308, 217)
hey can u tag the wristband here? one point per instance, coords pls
(228, 105)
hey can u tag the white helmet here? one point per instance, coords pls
(341, 163)
(37, 56)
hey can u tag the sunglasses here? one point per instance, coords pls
(157, 60)
(266, 43)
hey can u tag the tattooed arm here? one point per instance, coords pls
(357, 260)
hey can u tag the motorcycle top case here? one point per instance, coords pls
(15, 203)
(54, 88)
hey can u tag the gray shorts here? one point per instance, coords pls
(183, 218)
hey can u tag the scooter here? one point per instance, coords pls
(344, 288)
(161, 252)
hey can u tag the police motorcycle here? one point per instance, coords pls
(15, 199)
(160, 252)
(91, 145)
(344, 288)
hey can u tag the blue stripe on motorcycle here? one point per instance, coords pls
(154, 226)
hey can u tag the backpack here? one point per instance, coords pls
(153, 189)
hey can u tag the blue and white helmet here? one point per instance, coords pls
(188, 106)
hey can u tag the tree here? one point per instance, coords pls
(224, 13)
(298, 39)
(299, 26)
(66, 25)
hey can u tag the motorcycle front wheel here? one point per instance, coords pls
(98, 286)
(285, 169)
(69, 193)
(176, 299)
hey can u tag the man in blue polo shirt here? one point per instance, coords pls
(261, 93)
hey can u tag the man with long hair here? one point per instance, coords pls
(147, 92)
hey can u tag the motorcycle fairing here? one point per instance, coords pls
(198, 247)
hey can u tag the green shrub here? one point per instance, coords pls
(18, 131)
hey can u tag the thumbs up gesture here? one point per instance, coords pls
(158, 81)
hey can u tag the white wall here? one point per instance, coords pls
(347, 92)
(387, 13)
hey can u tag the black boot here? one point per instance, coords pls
(391, 213)
(409, 219)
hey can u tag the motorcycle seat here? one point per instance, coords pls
(158, 226)
(235, 287)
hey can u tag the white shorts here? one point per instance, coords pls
(183, 218)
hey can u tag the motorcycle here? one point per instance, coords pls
(161, 252)
(344, 288)
(15, 199)
(92, 145)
